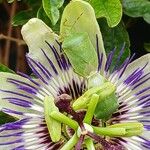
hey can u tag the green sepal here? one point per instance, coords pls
(81, 53)
(54, 127)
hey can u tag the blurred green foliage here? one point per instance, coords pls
(4, 118)
(137, 8)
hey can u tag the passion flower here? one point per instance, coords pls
(60, 109)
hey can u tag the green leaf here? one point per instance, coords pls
(110, 9)
(79, 17)
(4, 118)
(22, 17)
(33, 4)
(81, 53)
(51, 9)
(4, 68)
(137, 8)
(115, 37)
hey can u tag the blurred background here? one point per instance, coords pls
(13, 48)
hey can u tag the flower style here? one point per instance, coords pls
(43, 104)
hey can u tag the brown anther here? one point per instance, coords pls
(63, 97)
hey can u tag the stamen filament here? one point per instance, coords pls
(64, 119)
(91, 109)
(71, 143)
(89, 144)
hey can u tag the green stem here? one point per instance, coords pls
(71, 143)
(64, 119)
(89, 144)
(109, 131)
(91, 109)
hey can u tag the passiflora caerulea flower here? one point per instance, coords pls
(49, 107)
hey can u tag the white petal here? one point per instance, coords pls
(18, 96)
(25, 134)
(36, 33)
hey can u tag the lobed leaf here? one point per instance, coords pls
(110, 9)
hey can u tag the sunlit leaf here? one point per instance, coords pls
(81, 53)
(79, 17)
